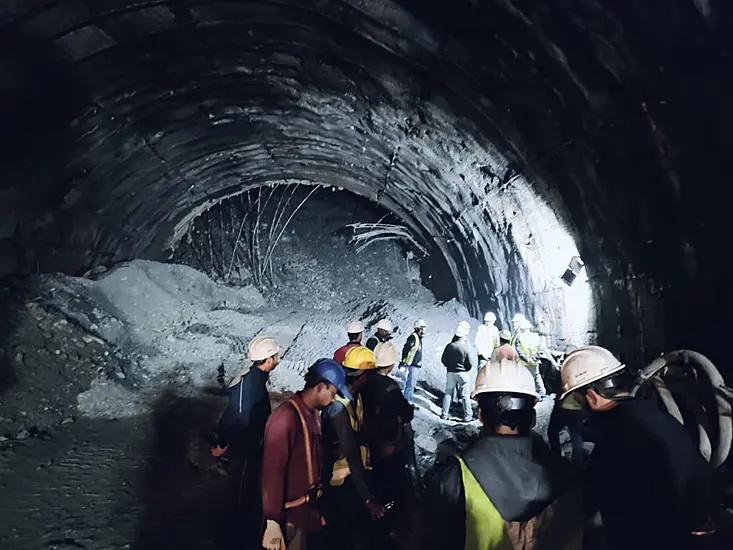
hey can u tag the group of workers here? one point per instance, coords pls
(333, 467)
(520, 344)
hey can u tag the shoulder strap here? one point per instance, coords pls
(307, 440)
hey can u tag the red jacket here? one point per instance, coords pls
(340, 354)
(284, 471)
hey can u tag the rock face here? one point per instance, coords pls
(484, 126)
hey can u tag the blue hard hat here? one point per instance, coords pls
(330, 371)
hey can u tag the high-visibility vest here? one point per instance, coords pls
(341, 468)
(487, 530)
(529, 345)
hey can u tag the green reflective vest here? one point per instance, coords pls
(484, 524)
(561, 524)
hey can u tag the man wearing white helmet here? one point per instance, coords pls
(527, 344)
(506, 490)
(412, 359)
(652, 486)
(383, 334)
(459, 358)
(487, 338)
(355, 332)
(241, 430)
(387, 417)
(516, 323)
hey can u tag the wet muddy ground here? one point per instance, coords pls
(141, 483)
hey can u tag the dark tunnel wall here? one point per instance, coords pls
(120, 119)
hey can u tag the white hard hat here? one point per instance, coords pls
(463, 329)
(355, 327)
(420, 324)
(524, 324)
(261, 348)
(586, 365)
(385, 324)
(490, 317)
(505, 335)
(518, 318)
(385, 354)
(506, 376)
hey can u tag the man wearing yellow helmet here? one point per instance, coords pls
(348, 500)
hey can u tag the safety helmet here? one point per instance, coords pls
(385, 354)
(463, 329)
(524, 324)
(360, 358)
(505, 335)
(586, 365)
(355, 327)
(490, 317)
(506, 376)
(420, 324)
(518, 318)
(261, 348)
(330, 371)
(385, 324)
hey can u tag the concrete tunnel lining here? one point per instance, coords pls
(165, 132)
(576, 97)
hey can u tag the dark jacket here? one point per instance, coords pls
(459, 356)
(375, 339)
(339, 440)
(242, 425)
(412, 351)
(651, 483)
(385, 412)
(533, 490)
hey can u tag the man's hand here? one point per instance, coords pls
(273, 538)
(218, 451)
(376, 510)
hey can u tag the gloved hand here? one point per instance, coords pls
(218, 451)
(376, 510)
(273, 538)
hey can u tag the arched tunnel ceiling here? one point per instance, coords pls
(122, 117)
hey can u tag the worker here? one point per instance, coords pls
(348, 501)
(544, 349)
(387, 415)
(568, 413)
(383, 334)
(292, 461)
(412, 359)
(240, 434)
(507, 490)
(487, 338)
(505, 349)
(459, 358)
(355, 332)
(517, 320)
(528, 346)
(653, 487)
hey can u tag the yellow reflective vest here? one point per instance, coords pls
(341, 468)
(487, 530)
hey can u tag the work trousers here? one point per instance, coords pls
(539, 384)
(573, 420)
(245, 528)
(395, 484)
(348, 523)
(460, 383)
(297, 539)
(410, 384)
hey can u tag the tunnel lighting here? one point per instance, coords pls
(572, 271)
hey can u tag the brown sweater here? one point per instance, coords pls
(284, 470)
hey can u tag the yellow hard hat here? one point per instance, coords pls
(360, 358)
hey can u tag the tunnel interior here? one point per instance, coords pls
(503, 138)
